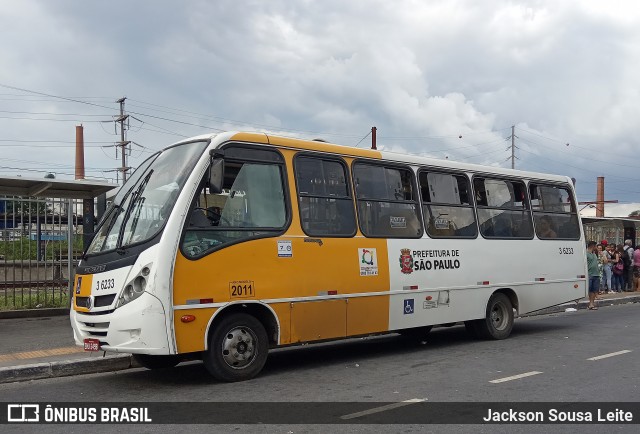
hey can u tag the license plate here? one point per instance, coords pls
(92, 345)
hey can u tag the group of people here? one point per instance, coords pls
(612, 268)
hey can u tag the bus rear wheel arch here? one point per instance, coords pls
(498, 321)
(238, 347)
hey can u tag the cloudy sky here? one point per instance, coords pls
(441, 78)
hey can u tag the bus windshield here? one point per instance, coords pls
(145, 201)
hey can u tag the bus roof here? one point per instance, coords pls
(322, 146)
(478, 168)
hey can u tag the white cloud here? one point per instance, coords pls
(562, 72)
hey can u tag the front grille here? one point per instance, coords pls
(99, 301)
(81, 301)
(98, 333)
(97, 329)
(102, 312)
(103, 300)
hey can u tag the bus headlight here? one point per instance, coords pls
(134, 288)
(139, 284)
(128, 294)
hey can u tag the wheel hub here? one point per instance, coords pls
(498, 316)
(238, 347)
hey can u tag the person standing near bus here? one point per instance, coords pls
(605, 282)
(627, 258)
(601, 262)
(617, 268)
(594, 273)
(636, 269)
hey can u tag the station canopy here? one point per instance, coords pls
(53, 188)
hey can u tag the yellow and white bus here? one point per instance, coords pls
(224, 246)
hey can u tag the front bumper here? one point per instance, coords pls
(138, 327)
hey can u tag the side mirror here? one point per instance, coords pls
(216, 172)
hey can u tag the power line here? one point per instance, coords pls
(540, 135)
(45, 141)
(55, 96)
(590, 158)
(366, 135)
(482, 155)
(60, 165)
(76, 97)
(235, 122)
(52, 114)
(164, 130)
(24, 145)
(22, 118)
(444, 137)
(20, 169)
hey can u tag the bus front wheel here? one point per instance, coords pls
(238, 348)
(498, 321)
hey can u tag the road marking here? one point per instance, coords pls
(40, 353)
(604, 356)
(382, 408)
(515, 377)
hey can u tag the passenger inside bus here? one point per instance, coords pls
(545, 228)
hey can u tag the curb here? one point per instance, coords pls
(582, 304)
(34, 313)
(39, 371)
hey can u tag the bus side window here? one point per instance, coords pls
(555, 217)
(503, 208)
(251, 204)
(447, 208)
(326, 204)
(387, 203)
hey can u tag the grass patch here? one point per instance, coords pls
(33, 299)
(25, 249)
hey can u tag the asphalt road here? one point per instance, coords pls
(548, 358)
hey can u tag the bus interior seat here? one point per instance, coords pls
(199, 219)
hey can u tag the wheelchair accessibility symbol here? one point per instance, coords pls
(408, 306)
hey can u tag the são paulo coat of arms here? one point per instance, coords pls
(406, 261)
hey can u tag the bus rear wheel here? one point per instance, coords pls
(238, 348)
(150, 361)
(498, 321)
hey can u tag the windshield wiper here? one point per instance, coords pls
(135, 197)
(114, 209)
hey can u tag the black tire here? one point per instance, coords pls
(416, 333)
(498, 322)
(238, 348)
(156, 362)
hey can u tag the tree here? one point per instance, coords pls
(635, 213)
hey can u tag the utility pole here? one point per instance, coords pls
(513, 146)
(124, 144)
(373, 138)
